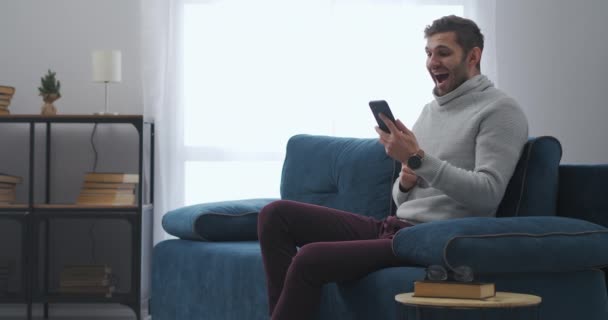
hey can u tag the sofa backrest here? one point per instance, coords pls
(583, 192)
(533, 188)
(356, 175)
(350, 174)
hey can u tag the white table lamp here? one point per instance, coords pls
(107, 67)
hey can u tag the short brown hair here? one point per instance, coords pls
(468, 35)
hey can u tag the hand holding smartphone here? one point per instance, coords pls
(381, 106)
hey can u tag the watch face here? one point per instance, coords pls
(414, 162)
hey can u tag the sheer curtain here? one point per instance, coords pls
(229, 81)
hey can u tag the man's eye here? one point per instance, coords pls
(444, 53)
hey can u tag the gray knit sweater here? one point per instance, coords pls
(473, 138)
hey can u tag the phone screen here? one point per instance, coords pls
(381, 106)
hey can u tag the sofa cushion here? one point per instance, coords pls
(533, 188)
(348, 174)
(216, 221)
(491, 245)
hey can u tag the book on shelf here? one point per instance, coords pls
(108, 188)
(86, 270)
(4, 103)
(6, 185)
(7, 178)
(7, 91)
(4, 112)
(454, 289)
(106, 291)
(7, 191)
(7, 197)
(111, 177)
(110, 199)
(108, 185)
(106, 281)
(86, 279)
(109, 191)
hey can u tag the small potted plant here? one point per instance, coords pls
(49, 90)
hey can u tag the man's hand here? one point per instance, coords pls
(407, 178)
(400, 143)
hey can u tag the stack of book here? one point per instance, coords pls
(6, 94)
(454, 289)
(8, 184)
(108, 188)
(87, 279)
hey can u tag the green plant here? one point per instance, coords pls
(50, 85)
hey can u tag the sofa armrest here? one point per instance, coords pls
(501, 245)
(216, 221)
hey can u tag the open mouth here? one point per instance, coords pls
(441, 78)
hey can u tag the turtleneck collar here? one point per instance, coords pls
(476, 84)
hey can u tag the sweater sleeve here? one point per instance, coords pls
(399, 196)
(503, 131)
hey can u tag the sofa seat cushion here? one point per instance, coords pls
(491, 245)
(216, 221)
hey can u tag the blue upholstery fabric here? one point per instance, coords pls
(194, 280)
(349, 174)
(216, 221)
(225, 281)
(532, 190)
(492, 245)
(583, 193)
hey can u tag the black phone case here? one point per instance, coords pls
(381, 106)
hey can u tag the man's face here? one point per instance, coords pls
(446, 62)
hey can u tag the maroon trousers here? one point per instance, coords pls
(334, 246)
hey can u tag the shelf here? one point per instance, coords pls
(71, 118)
(71, 206)
(13, 206)
(36, 218)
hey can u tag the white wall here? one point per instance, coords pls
(553, 58)
(60, 35)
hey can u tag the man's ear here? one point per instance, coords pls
(474, 57)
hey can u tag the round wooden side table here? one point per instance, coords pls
(502, 300)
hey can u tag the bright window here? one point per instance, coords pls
(257, 72)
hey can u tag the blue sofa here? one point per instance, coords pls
(549, 238)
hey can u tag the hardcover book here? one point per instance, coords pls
(454, 289)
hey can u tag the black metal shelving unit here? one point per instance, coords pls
(35, 219)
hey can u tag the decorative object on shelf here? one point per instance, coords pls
(6, 94)
(50, 92)
(107, 67)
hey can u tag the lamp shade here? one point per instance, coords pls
(107, 66)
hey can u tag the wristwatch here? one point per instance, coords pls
(415, 160)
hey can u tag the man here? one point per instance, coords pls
(457, 161)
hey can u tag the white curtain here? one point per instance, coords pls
(193, 143)
(160, 37)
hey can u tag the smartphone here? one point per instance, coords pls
(381, 106)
